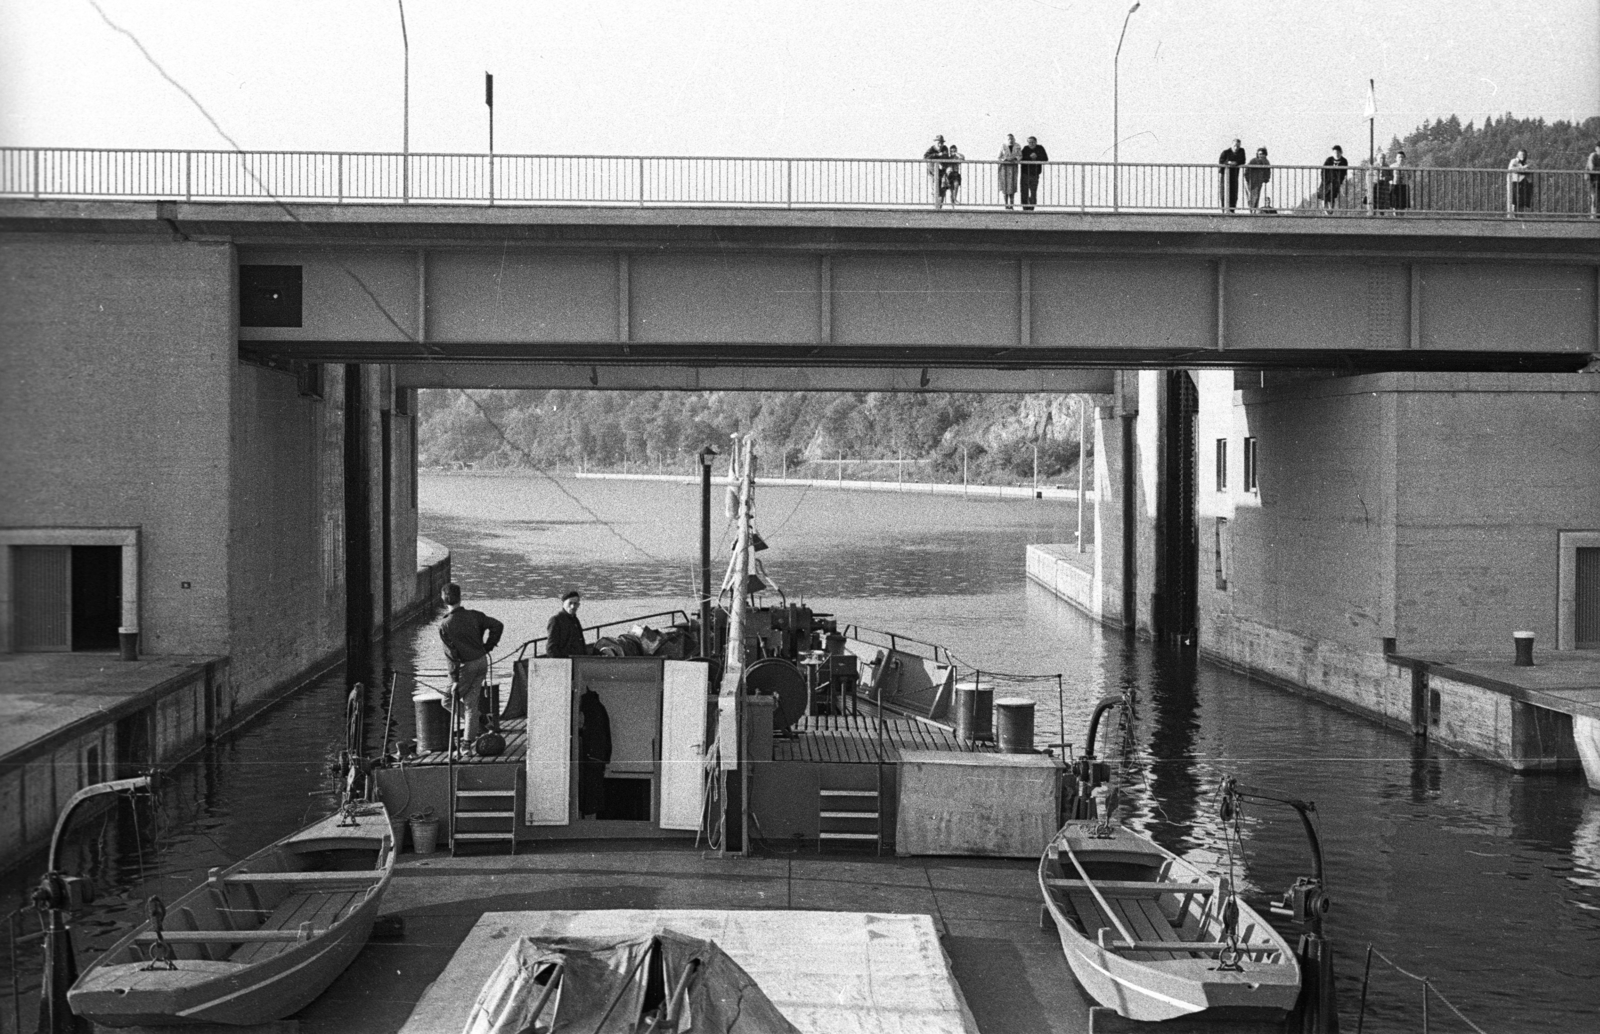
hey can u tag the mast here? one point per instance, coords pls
(730, 698)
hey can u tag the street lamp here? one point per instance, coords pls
(405, 108)
(1116, 136)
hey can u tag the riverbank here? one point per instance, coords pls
(1054, 493)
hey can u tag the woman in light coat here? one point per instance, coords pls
(1010, 162)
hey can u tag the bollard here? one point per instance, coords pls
(1524, 641)
(974, 713)
(128, 638)
(1014, 725)
(433, 721)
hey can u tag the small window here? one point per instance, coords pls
(309, 378)
(1222, 464)
(1222, 552)
(1252, 466)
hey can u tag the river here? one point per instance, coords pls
(1485, 882)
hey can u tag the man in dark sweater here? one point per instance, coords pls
(1229, 162)
(564, 633)
(468, 636)
(1033, 157)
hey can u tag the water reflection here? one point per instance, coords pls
(1487, 882)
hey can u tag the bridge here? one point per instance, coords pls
(824, 274)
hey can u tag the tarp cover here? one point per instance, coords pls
(603, 987)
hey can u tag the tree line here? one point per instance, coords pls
(995, 434)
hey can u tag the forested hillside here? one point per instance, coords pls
(1447, 144)
(800, 432)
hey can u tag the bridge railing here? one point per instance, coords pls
(638, 180)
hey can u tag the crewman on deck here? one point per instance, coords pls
(468, 637)
(564, 633)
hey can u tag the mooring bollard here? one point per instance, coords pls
(128, 639)
(1524, 641)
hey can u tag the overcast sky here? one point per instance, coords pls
(853, 78)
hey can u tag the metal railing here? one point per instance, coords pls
(646, 181)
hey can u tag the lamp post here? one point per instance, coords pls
(405, 108)
(1116, 135)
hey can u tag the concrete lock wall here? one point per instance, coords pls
(1489, 471)
(124, 405)
(1419, 508)
(118, 360)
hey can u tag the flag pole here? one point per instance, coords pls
(1372, 121)
(488, 98)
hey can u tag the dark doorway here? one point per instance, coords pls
(627, 799)
(96, 597)
(1586, 599)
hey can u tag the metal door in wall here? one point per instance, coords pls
(41, 598)
(1586, 599)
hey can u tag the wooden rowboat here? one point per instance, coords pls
(1143, 930)
(255, 942)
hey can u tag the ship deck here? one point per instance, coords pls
(815, 739)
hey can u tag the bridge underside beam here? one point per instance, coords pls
(686, 377)
(676, 365)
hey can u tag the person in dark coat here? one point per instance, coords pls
(1033, 157)
(564, 633)
(468, 637)
(1334, 170)
(594, 754)
(1257, 174)
(1228, 175)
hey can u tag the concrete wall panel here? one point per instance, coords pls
(286, 557)
(114, 407)
(768, 299)
(926, 300)
(346, 294)
(521, 296)
(1506, 306)
(1124, 304)
(1304, 303)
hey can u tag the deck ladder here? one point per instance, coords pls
(849, 815)
(484, 812)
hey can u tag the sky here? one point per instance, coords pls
(858, 78)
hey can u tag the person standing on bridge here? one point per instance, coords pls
(1033, 159)
(1593, 166)
(1334, 170)
(935, 172)
(1519, 187)
(1228, 175)
(1010, 158)
(952, 173)
(564, 633)
(468, 637)
(1257, 174)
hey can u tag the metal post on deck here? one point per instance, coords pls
(1082, 449)
(707, 455)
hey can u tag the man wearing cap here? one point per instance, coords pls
(468, 636)
(564, 633)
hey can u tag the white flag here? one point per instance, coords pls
(1372, 101)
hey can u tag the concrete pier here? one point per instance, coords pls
(71, 719)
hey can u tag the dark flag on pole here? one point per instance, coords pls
(488, 89)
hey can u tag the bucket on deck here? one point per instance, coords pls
(433, 721)
(1013, 719)
(425, 835)
(1524, 641)
(974, 713)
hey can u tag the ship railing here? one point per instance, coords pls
(680, 617)
(894, 640)
(781, 183)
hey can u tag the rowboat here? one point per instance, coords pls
(255, 942)
(1145, 932)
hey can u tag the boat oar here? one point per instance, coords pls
(1099, 898)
